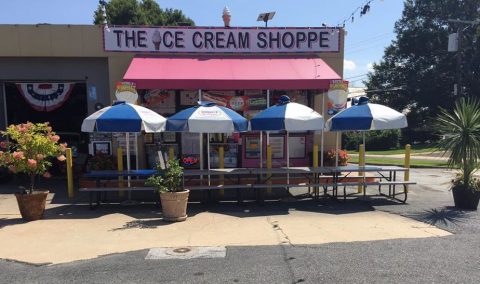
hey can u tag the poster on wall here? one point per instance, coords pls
(188, 98)
(276, 144)
(296, 146)
(337, 96)
(160, 101)
(252, 147)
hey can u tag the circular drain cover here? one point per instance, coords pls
(181, 250)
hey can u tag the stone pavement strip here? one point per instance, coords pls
(72, 232)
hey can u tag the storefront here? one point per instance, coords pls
(245, 69)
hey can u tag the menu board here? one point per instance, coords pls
(296, 146)
(252, 147)
(276, 144)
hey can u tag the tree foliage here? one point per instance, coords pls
(145, 12)
(417, 73)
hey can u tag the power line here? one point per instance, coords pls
(364, 9)
(362, 75)
(370, 39)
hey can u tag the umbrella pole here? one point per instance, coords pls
(127, 142)
(261, 150)
(208, 156)
(268, 105)
(288, 161)
(201, 153)
(321, 150)
(136, 151)
(364, 148)
(336, 149)
(323, 138)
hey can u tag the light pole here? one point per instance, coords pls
(457, 87)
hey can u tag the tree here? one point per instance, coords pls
(145, 12)
(417, 73)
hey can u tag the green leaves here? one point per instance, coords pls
(461, 136)
(145, 12)
(168, 180)
(418, 61)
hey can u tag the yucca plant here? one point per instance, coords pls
(461, 140)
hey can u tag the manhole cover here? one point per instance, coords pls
(182, 250)
(187, 253)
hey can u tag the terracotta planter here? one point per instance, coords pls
(32, 206)
(174, 205)
(465, 198)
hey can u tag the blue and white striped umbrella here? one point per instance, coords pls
(207, 118)
(362, 116)
(124, 117)
(366, 116)
(287, 116)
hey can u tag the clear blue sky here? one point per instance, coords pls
(366, 39)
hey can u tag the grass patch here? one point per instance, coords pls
(399, 162)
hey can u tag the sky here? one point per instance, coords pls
(366, 38)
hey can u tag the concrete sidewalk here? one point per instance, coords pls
(73, 232)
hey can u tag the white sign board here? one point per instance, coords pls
(224, 40)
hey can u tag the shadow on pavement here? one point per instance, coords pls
(445, 216)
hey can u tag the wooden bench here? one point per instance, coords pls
(99, 190)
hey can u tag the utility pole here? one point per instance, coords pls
(457, 87)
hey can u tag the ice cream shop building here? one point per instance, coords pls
(63, 73)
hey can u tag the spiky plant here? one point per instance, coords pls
(461, 139)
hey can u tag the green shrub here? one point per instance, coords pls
(374, 140)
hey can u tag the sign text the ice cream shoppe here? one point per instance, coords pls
(234, 40)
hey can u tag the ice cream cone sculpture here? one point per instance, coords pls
(156, 39)
(226, 16)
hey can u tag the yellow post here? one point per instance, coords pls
(406, 174)
(315, 156)
(221, 165)
(361, 163)
(269, 166)
(171, 153)
(120, 168)
(69, 173)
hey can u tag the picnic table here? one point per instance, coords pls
(260, 179)
(100, 176)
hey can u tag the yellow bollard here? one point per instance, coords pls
(406, 174)
(221, 165)
(171, 153)
(269, 166)
(315, 156)
(120, 168)
(69, 172)
(361, 163)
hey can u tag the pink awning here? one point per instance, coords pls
(230, 73)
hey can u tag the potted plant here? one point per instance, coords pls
(461, 141)
(28, 149)
(330, 156)
(168, 182)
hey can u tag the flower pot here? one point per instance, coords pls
(174, 205)
(465, 198)
(32, 206)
